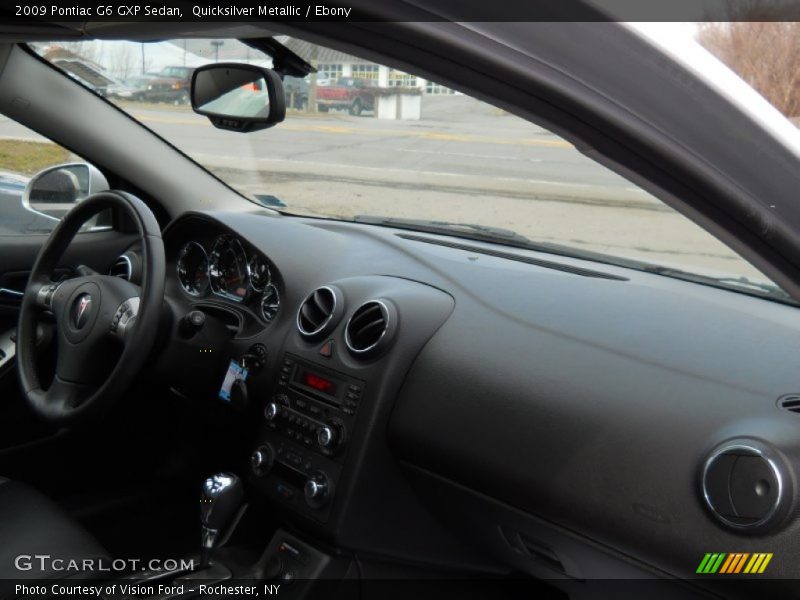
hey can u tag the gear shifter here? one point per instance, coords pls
(220, 499)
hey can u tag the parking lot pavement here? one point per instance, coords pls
(463, 161)
(459, 144)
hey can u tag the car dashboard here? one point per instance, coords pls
(421, 398)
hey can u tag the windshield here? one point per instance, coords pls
(361, 139)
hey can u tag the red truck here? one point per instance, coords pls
(354, 95)
(170, 85)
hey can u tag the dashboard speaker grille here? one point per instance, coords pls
(367, 326)
(316, 311)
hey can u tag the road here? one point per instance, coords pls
(463, 161)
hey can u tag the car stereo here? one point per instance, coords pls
(307, 425)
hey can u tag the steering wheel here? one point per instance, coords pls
(105, 326)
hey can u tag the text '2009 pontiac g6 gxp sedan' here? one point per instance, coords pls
(411, 306)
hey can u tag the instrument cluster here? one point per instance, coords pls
(226, 270)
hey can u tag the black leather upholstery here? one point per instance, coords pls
(31, 524)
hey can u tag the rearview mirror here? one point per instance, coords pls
(238, 97)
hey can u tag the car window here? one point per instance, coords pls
(366, 139)
(24, 154)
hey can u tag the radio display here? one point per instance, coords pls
(317, 382)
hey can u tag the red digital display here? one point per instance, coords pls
(319, 383)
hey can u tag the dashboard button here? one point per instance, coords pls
(317, 490)
(262, 459)
(326, 437)
(327, 349)
(271, 411)
(284, 491)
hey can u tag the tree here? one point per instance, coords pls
(123, 61)
(764, 54)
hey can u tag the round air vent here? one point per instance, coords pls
(370, 327)
(122, 267)
(319, 312)
(745, 486)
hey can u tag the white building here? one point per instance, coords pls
(332, 64)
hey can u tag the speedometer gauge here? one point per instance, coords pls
(270, 303)
(227, 268)
(260, 276)
(193, 269)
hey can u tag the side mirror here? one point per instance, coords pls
(238, 97)
(53, 191)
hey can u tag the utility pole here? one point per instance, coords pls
(312, 83)
(216, 44)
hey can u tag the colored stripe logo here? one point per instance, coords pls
(734, 563)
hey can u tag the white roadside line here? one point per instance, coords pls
(470, 155)
(236, 162)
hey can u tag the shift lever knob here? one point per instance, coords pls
(221, 497)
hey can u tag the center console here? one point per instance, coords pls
(303, 442)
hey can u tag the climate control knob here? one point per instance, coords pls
(326, 437)
(271, 411)
(317, 489)
(261, 460)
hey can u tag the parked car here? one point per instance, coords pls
(131, 88)
(348, 93)
(170, 85)
(296, 89)
(88, 74)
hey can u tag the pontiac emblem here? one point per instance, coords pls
(81, 310)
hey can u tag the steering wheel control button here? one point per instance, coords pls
(745, 487)
(44, 297)
(124, 316)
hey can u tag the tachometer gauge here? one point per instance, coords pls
(193, 269)
(227, 268)
(270, 302)
(260, 277)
